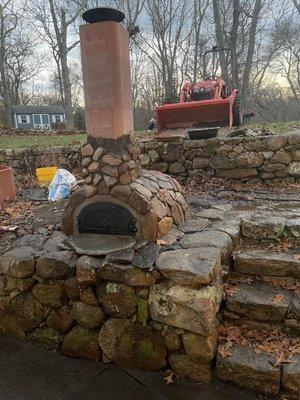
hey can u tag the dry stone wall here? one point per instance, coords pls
(256, 159)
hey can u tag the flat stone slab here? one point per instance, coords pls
(194, 225)
(291, 376)
(209, 238)
(264, 226)
(190, 266)
(249, 369)
(98, 245)
(184, 307)
(260, 302)
(264, 262)
(146, 256)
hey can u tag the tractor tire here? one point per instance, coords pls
(237, 112)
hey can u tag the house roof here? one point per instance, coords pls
(38, 109)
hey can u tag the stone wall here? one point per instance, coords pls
(27, 160)
(268, 159)
(248, 159)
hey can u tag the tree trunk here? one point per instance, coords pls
(7, 117)
(250, 52)
(67, 93)
(220, 39)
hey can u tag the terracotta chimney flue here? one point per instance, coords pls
(106, 74)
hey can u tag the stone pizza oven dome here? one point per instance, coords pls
(120, 204)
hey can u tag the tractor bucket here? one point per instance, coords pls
(182, 116)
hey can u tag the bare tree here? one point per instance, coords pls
(59, 33)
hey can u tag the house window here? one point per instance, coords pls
(23, 119)
(58, 118)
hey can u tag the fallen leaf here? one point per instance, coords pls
(169, 377)
(278, 298)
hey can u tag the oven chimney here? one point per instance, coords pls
(106, 74)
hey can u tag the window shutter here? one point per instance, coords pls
(53, 118)
(28, 119)
(19, 119)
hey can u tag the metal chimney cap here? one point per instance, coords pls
(102, 14)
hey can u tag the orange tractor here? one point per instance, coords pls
(202, 109)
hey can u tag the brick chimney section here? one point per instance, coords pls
(106, 77)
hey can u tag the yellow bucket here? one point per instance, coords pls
(45, 175)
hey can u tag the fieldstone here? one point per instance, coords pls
(126, 178)
(90, 190)
(29, 312)
(86, 162)
(221, 162)
(281, 157)
(190, 367)
(35, 240)
(49, 294)
(141, 189)
(262, 262)
(60, 320)
(18, 262)
(87, 295)
(154, 156)
(86, 270)
(172, 340)
(117, 299)
(81, 343)
(249, 160)
(87, 316)
(109, 181)
(121, 256)
(164, 226)
(176, 168)
(47, 338)
(294, 169)
(237, 173)
(56, 265)
(171, 237)
(55, 242)
(111, 159)
(263, 226)
(87, 150)
(97, 179)
(259, 301)
(145, 159)
(140, 203)
(159, 208)
(67, 225)
(203, 347)
(17, 285)
(293, 227)
(149, 226)
(210, 238)
(294, 137)
(143, 312)
(98, 153)
(273, 167)
(121, 192)
(102, 188)
(132, 345)
(268, 155)
(127, 166)
(71, 288)
(199, 163)
(232, 227)
(184, 307)
(212, 214)
(274, 143)
(178, 214)
(128, 274)
(110, 171)
(190, 266)
(256, 371)
(291, 376)
(146, 257)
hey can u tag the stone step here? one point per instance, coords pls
(266, 263)
(244, 367)
(260, 302)
(271, 226)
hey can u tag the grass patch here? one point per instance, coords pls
(20, 142)
(277, 127)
